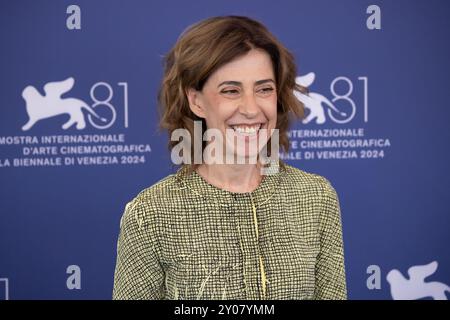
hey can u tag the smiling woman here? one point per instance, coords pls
(231, 230)
(243, 106)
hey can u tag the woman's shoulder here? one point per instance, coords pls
(141, 207)
(306, 181)
(157, 190)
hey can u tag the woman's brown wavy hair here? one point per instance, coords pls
(206, 46)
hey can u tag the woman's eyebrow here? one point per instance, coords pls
(238, 83)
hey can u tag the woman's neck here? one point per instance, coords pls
(238, 178)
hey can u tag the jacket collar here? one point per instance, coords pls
(269, 185)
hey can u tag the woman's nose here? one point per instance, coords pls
(249, 106)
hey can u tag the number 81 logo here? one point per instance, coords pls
(341, 109)
(104, 108)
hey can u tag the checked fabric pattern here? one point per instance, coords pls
(183, 238)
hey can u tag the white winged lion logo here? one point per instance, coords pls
(415, 287)
(316, 103)
(51, 104)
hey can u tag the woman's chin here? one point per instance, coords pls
(246, 156)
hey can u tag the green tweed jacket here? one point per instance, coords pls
(183, 238)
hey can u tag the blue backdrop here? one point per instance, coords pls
(380, 78)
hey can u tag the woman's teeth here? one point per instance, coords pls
(247, 129)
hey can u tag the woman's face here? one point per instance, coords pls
(240, 96)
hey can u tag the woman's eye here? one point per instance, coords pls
(266, 90)
(232, 91)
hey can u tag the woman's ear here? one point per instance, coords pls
(195, 102)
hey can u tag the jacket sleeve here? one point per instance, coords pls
(138, 273)
(330, 269)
